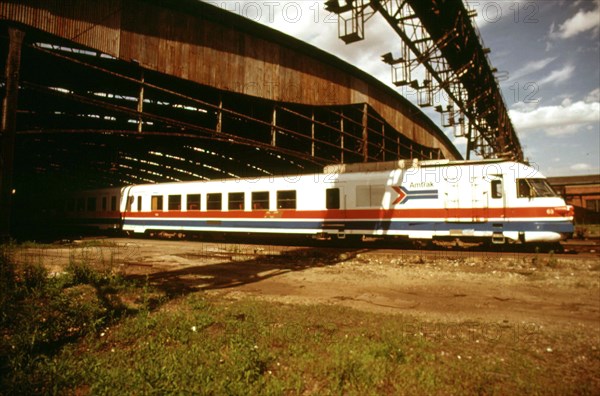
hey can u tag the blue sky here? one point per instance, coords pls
(547, 53)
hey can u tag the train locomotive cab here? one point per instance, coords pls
(551, 219)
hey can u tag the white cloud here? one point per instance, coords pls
(562, 130)
(557, 120)
(581, 22)
(580, 166)
(558, 76)
(531, 67)
(593, 96)
(525, 107)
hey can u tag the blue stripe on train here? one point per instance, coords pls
(383, 225)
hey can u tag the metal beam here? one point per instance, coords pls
(9, 127)
(439, 37)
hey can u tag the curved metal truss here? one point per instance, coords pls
(439, 40)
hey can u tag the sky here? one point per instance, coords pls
(546, 53)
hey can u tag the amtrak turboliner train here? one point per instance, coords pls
(489, 201)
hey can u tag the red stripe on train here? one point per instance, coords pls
(366, 213)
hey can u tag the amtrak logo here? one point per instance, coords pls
(404, 194)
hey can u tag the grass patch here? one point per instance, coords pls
(41, 314)
(201, 345)
(91, 331)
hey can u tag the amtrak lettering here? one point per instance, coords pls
(421, 185)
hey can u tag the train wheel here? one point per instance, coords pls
(422, 244)
(551, 247)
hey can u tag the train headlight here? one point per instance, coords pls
(566, 211)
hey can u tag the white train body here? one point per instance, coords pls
(485, 200)
(99, 209)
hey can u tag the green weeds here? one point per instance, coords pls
(41, 314)
(91, 331)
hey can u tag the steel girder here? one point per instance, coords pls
(440, 43)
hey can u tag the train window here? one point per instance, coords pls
(541, 188)
(332, 199)
(193, 202)
(80, 204)
(139, 203)
(213, 201)
(260, 200)
(113, 203)
(174, 202)
(157, 202)
(236, 201)
(286, 199)
(496, 188)
(91, 204)
(523, 189)
(369, 196)
(528, 188)
(129, 203)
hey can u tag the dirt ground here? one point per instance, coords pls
(554, 291)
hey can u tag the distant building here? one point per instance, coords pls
(583, 192)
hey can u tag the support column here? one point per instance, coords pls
(342, 137)
(274, 127)
(312, 133)
(383, 145)
(365, 133)
(219, 126)
(469, 142)
(140, 106)
(9, 127)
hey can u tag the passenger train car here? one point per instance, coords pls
(489, 201)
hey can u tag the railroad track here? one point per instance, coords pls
(571, 248)
(579, 246)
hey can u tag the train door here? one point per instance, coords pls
(458, 201)
(465, 200)
(335, 219)
(496, 207)
(479, 199)
(451, 201)
(125, 204)
(496, 198)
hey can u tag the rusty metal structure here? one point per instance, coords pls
(438, 39)
(111, 92)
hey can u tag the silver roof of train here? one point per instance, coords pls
(401, 164)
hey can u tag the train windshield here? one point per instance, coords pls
(534, 188)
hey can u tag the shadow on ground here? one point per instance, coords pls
(237, 270)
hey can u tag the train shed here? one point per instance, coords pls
(118, 92)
